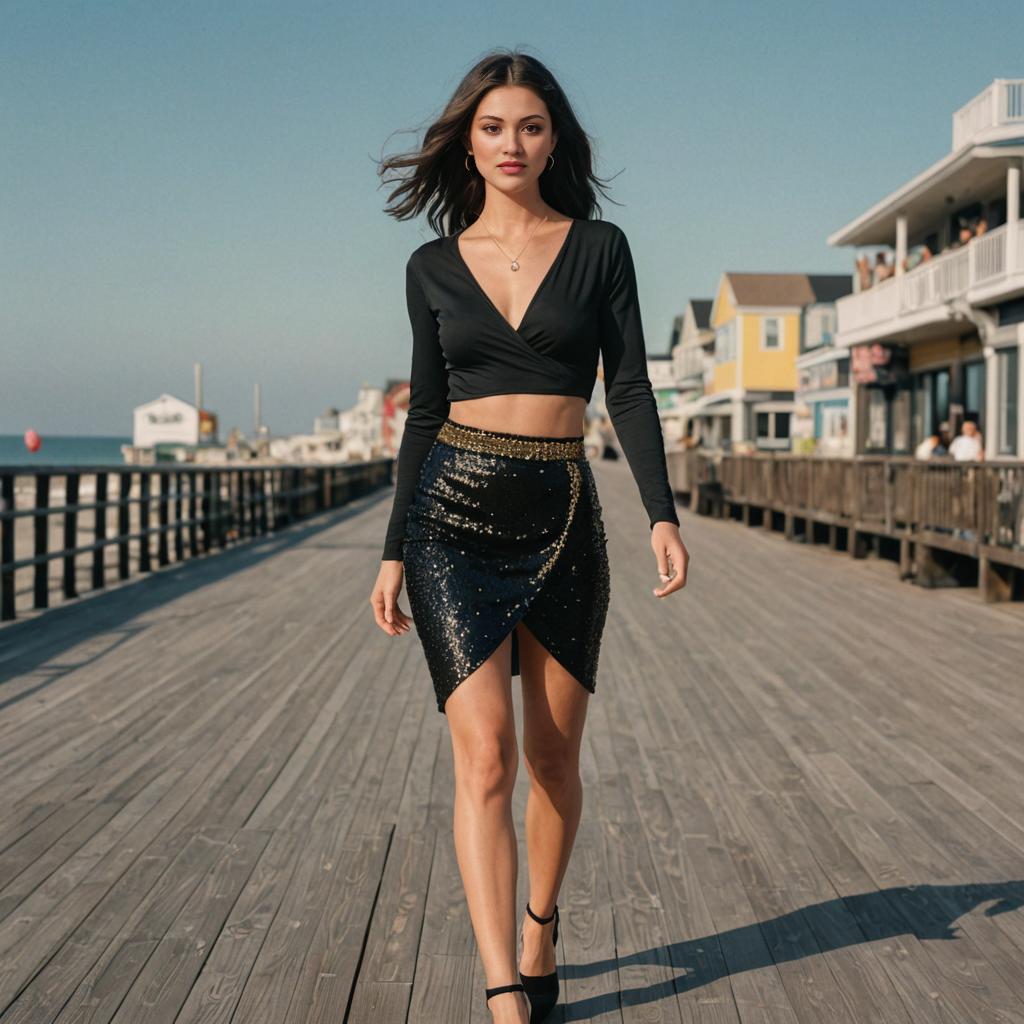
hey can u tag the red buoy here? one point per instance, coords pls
(33, 442)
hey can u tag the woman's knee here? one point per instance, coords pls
(553, 768)
(486, 766)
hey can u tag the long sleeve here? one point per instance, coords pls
(428, 407)
(628, 392)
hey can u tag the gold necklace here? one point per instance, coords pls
(515, 259)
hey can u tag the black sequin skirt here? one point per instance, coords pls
(504, 528)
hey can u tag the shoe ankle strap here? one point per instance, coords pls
(518, 986)
(542, 920)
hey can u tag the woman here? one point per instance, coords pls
(496, 523)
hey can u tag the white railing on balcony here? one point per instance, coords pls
(944, 277)
(1001, 103)
(878, 304)
(983, 262)
(989, 254)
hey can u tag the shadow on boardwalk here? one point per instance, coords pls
(923, 912)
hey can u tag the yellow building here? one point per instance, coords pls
(762, 324)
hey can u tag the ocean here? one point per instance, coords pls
(62, 450)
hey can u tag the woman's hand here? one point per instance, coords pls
(384, 599)
(672, 556)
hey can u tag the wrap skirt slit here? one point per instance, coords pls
(504, 528)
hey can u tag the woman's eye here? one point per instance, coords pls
(488, 127)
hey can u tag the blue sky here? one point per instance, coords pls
(189, 180)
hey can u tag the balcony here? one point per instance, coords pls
(914, 305)
(997, 112)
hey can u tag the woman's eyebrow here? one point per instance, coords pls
(494, 117)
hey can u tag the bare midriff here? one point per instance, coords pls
(541, 415)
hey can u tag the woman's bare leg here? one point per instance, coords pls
(554, 712)
(485, 752)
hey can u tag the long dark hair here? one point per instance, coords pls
(454, 196)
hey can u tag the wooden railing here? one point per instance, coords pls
(198, 510)
(968, 508)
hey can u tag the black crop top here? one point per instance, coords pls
(462, 347)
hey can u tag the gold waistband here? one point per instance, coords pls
(516, 447)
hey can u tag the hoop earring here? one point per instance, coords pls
(465, 163)
(551, 157)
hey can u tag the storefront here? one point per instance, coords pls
(822, 412)
(906, 393)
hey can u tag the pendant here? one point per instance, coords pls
(515, 264)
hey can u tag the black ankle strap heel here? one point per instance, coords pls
(498, 989)
(542, 989)
(546, 920)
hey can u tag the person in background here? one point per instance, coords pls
(927, 448)
(882, 268)
(919, 254)
(864, 272)
(945, 435)
(967, 446)
(966, 234)
(981, 226)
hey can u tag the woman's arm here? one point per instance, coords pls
(629, 395)
(428, 408)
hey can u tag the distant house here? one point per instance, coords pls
(693, 343)
(362, 425)
(168, 420)
(821, 416)
(758, 324)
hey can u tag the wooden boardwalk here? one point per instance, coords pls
(227, 796)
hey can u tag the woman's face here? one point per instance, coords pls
(511, 126)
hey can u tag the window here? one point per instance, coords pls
(725, 342)
(819, 326)
(771, 332)
(1007, 381)
(771, 429)
(876, 435)
(974, 392)
(900, 422)
(828, 326)
(931, 403)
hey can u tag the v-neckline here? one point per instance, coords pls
(543, 282)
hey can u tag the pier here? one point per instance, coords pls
(227, 795)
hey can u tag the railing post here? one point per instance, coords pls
(193, 530)
(222, 509)
(244, 503)
(264, 517)
(162, 557)
(70, 534)
(145, 483)
(7, 609)
(99, 531)
(179, 537)
(294, 476)
(41, 529)
(124, 524)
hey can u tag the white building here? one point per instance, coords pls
(170, 420)
(939, 340)
(693, 357)
(362, 425)
(821, 410)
